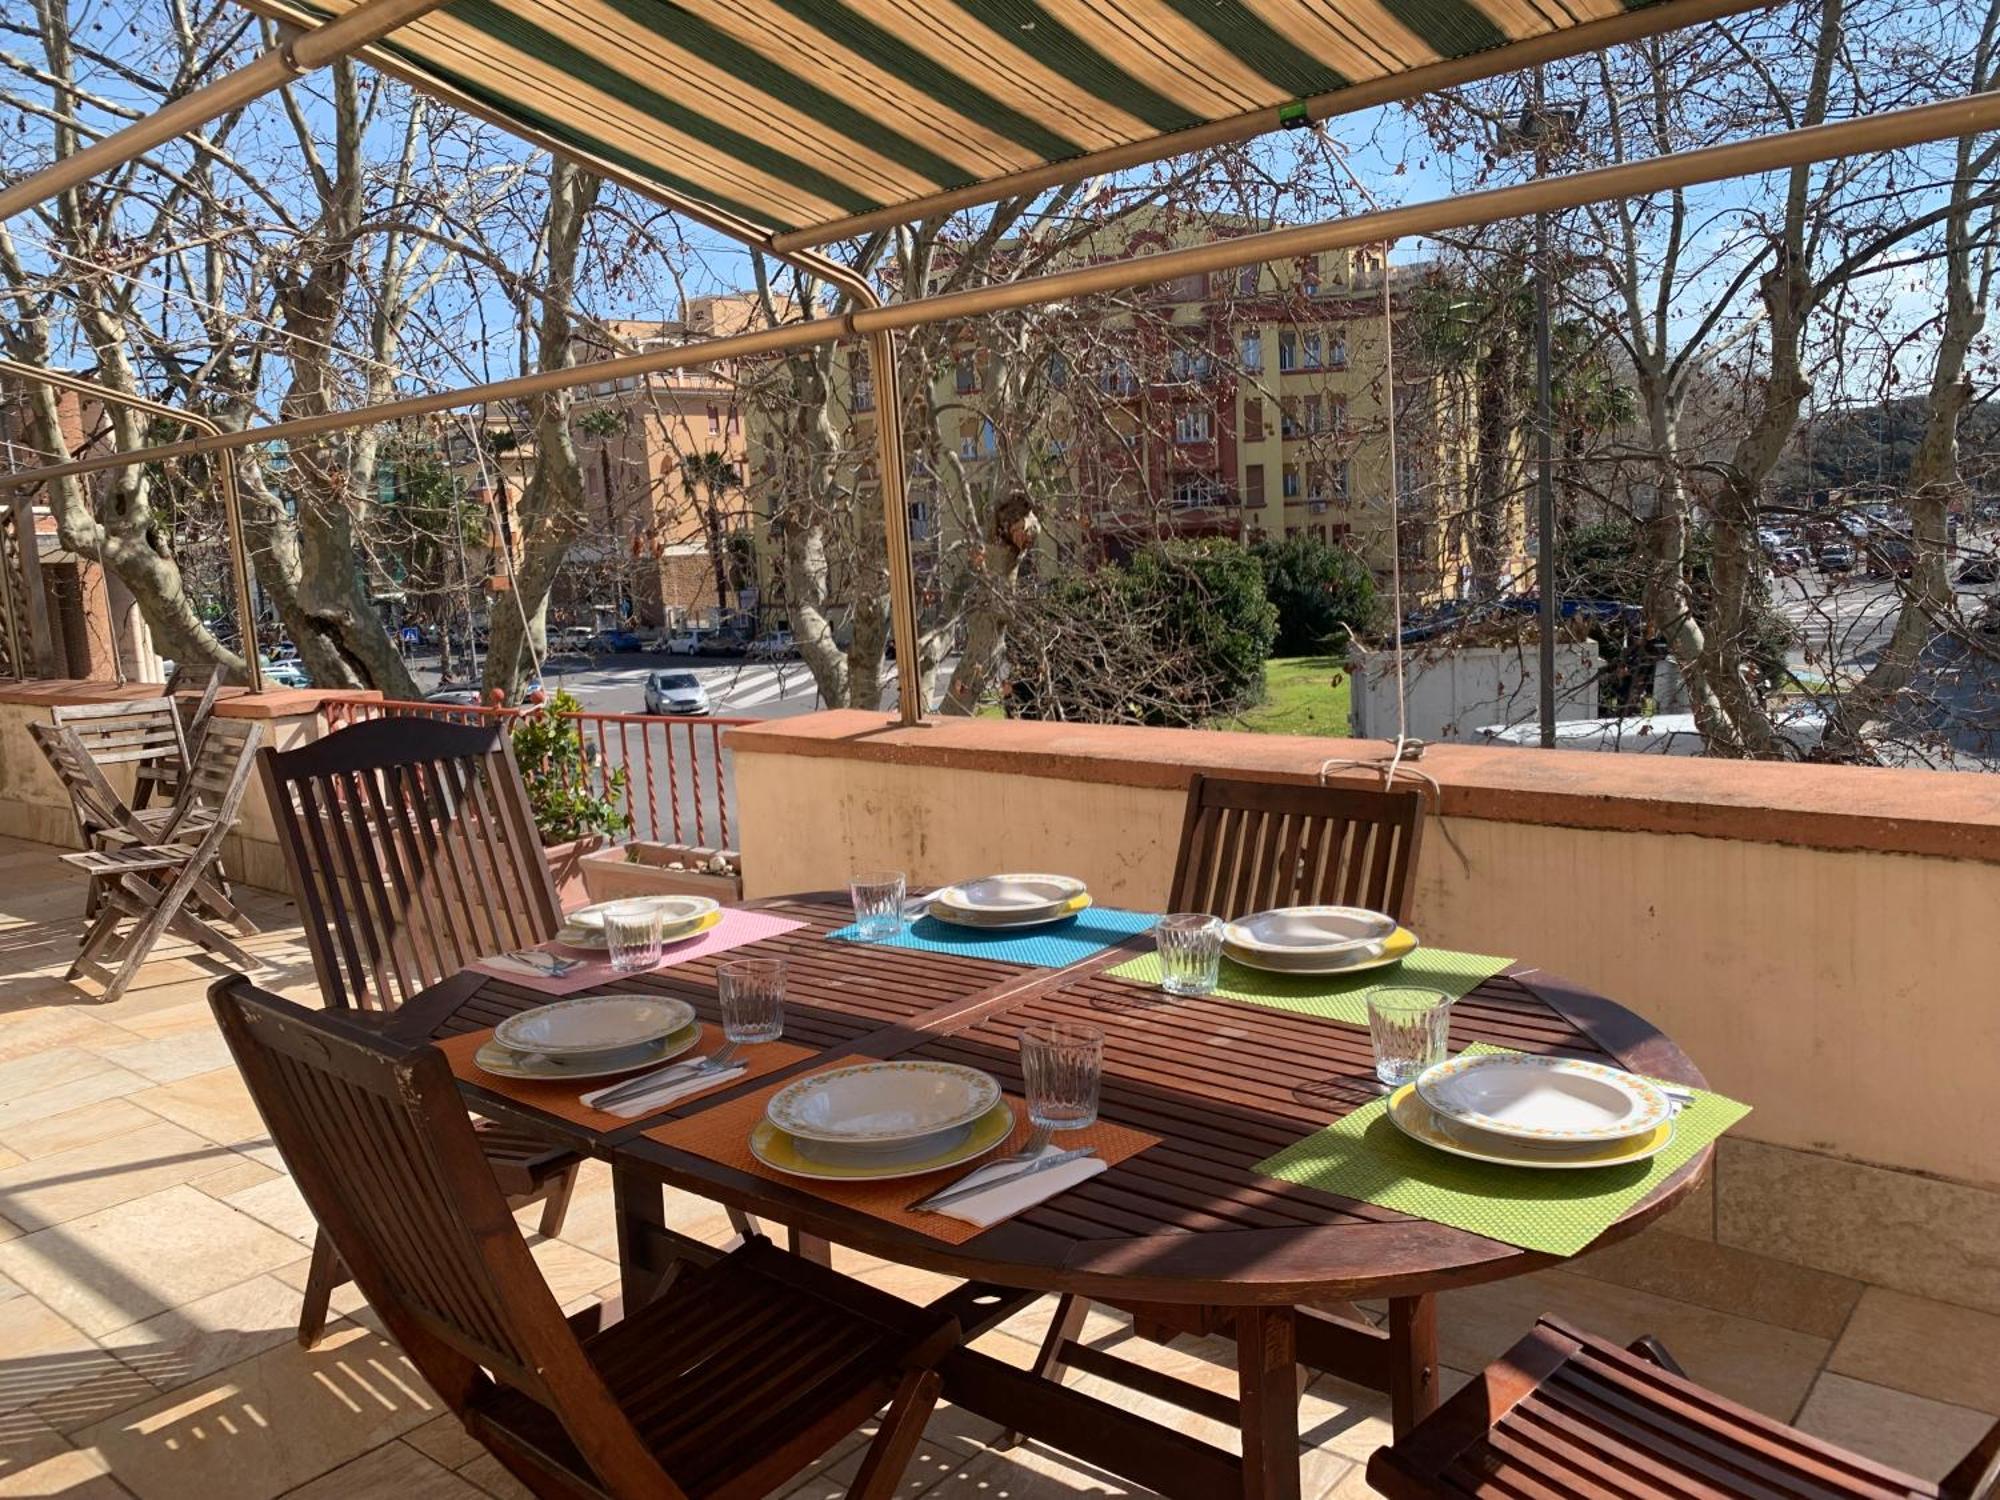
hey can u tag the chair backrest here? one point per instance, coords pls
(194, 689)
(213, 787)
(140, 729)
(97, 805)
(378, 1141)
(1251, 845)
(412, 850)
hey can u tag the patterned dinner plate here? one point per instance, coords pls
(1409, 1114)
(676, 929)
(959, 918)
(1551, 1100)
(593, 1024)
(780, 1152)
(495, 1058)
(881, 1102)
(1398, 946)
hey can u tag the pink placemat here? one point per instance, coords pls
(735, 930)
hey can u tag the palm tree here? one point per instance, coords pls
(705, 476)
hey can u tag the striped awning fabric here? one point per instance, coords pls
(796, 116)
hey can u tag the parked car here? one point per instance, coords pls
(614, 640)
(689, 642)
(1979, 570)
(284, 651)
(675, 693)
(569, 637)
(465, 697)
(285, 674)
(1836, 557)
(776, 646)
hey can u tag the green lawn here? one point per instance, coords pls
(1302, 695)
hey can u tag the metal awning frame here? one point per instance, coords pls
(355, 32)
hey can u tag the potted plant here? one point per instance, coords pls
(645, 868)
(577, 805)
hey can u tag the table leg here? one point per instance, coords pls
(1413, 1361)
(1268, 1401)
(639, 1204)
(808, 1247)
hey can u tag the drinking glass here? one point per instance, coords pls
(1410, 1029)
(632, 933)
(752, 991)
(1062, 1063)
(1190, 945)
(878, 903)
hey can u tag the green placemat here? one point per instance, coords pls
(1364, 1156)
(1334, 998)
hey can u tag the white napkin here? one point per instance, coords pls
(670, 1092)
(1013, 1195)
(515, 965)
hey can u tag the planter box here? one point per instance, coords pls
(566, 867)
(641, 869)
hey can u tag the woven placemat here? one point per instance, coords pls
(722, 1134)
(560, 1099)
(733, 928)
(1333, 998)
(1055, 946)
(1365, 1157)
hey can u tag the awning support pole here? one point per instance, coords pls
(297, 54)
(232, 509)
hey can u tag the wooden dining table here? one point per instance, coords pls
(1186, 1236)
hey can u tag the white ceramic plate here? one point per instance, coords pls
(1009, 895)
(1555, 1100)
(1399, 946)
(675, 930)
(495, 1058)
(1419, 1122)
(782, 1153)
(956, 917)
(594, 1023)
(675, 910)
(894, 1154)
(1313, 931)
(883, 1102)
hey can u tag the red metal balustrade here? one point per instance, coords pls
(678, 786)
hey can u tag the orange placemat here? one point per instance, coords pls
(722, 1134)
(560, 1099)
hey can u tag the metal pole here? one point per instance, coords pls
(297, 54)
(1881, 132)
(1545, 486)
(232, 511)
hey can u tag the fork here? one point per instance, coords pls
(680, 1072)
(549, 965)
(1032, 1147)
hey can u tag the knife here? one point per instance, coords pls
(953, 1195)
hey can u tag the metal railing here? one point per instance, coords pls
(678, 787)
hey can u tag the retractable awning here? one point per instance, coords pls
(804, 121)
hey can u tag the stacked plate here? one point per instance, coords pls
(599, 1036)
(1317, 940)
(681, 917)
(1009, 901)
(1553, 1113)
(881, 1120)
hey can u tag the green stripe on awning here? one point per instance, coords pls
(1028, 26)
(1247, 36)
(1455, 27)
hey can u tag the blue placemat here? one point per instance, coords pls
(1089, 931)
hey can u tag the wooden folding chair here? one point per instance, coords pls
(145, 733)
(167, 884)
(1251, 845)
(192, 690)
(732, 1380)
(1565, 1413)
(412, 851)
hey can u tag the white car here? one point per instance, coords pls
(688, 642)
(776, 646)
(675, 693)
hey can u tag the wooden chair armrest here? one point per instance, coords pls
(1977, 1475)
(1650, 1348)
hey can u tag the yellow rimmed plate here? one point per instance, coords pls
(958, 918)
(780, 1153)
(593, 940)
(1409, 1114)
(495, 1058)
(1399, 945)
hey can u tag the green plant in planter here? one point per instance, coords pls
(563, 789)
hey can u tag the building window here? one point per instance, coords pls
(864, 387)
(1288, 350)
(965, 376)
(1118, 379)
(1336, 355)
(1288, 417)
(1193, 489)
(1312, 350)
(1309, 274)
(1315, 481)
(1342, 473)
(1185, 363)
(714, 420)
(1193, 424)
(1246, 280)
(968, 437)
(1058, 371)
(1336, 414)
(1291, 482)
(989, 439)
(1253, 352)
(1253, 484)
(1315, 413)
(1187, 288)
(1253, 418)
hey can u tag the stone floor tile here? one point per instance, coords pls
(125, 1264)
(1913, 1433)
(94, 1122)
(169, 1058)
(1926, 1348)
(347, 1300)
(573, 1275)
(490, 1476)
(444, 1440)
(169, 1020)
(74, 1093)
(37, 1460)
(208, 1334)
(214, 1104)
(267, 1425)
(46, 1028)
(1761, 1365)
(47, 1069)
(43, 1355)
(90, 1403)
(394, 1471)
(1029, 1471)
(48, 1190)
(10, 1158)
(1727, 1279)
(240, 1174)
(928, 1465)
(275, 1201)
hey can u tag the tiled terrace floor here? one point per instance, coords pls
(151, 1247)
